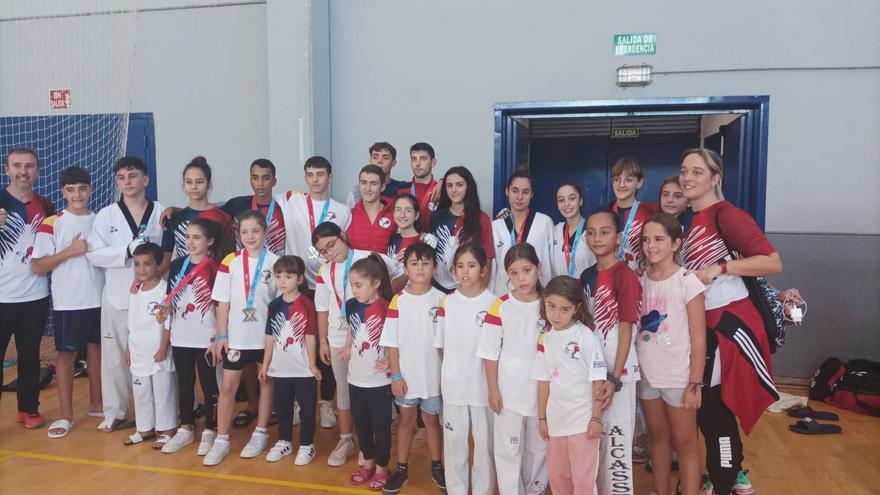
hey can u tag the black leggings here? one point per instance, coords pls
(186, 361)
(328, 381)
(27, 322)
(724, 447)
(371, 409)
(304, 391)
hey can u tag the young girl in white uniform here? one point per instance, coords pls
(463, 378)
(508, 347)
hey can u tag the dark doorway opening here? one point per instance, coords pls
(579, 142)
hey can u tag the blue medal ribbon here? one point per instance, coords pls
(629, 221)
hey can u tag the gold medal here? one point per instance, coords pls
(250, 314)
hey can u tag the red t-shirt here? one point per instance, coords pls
(704, 245)
(616, 294)
(371, 236)
(420, 191)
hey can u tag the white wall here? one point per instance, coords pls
(203, 73)
(406, 71)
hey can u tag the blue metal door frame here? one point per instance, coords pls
(752, 175)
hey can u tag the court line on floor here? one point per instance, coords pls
(8, 454)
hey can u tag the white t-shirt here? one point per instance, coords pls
(510, 333)
(571, 360)
(193, 311)
(17, 282)
(410, 325)
(145, 333)
(582, 258)
(459, 325)
(76, 283)
(229, 287)
(329, 293)
(664, 343)
(367, 322)
(298, 227)
(289, 323)
(539, 233)
(108, 249)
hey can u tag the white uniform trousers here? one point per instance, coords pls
(115, 377)
(520, 454)
(458, 423)
(155, 401)
(615, 455)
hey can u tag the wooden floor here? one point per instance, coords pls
(90, 462)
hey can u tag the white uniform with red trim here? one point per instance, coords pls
(466, 412)
(301, 215)
(510, 336)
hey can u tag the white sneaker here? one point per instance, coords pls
(295, 413)
(328, 415)
(256, 445)
(217, 453)
(280, 450)
(180, 440)
(208, 437)
(344, 449)
(304, 455)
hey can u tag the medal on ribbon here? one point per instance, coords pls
(343, 316)
(250, 284)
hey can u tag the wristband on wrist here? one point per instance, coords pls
(220, 337)
(542, 419)
(594, 418)
(616, 381)
(723, 265)
(396, 377)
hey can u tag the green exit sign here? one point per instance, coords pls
(635, 44)
(624, 132)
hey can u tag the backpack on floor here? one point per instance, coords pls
(854, 385)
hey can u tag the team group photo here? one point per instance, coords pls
(608, 295)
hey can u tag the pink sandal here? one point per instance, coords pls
(362, 476)
(378, 481)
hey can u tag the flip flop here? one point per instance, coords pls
(361, 476)
(377, 483)
(161, 440)
(61, 424)
(809, 427)
(93, 414)
(136, 438)
(808, 412)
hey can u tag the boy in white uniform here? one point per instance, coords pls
(118, 229)
(409, 334)
(302, 213)
(60, 248)
(331, 291)
(148, 354)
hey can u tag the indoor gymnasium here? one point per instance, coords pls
(387, 246)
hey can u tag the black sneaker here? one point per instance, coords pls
(438, 474)
(398, 478)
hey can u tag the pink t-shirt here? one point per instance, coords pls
(663, 343)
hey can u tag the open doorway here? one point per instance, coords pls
(580, 141)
